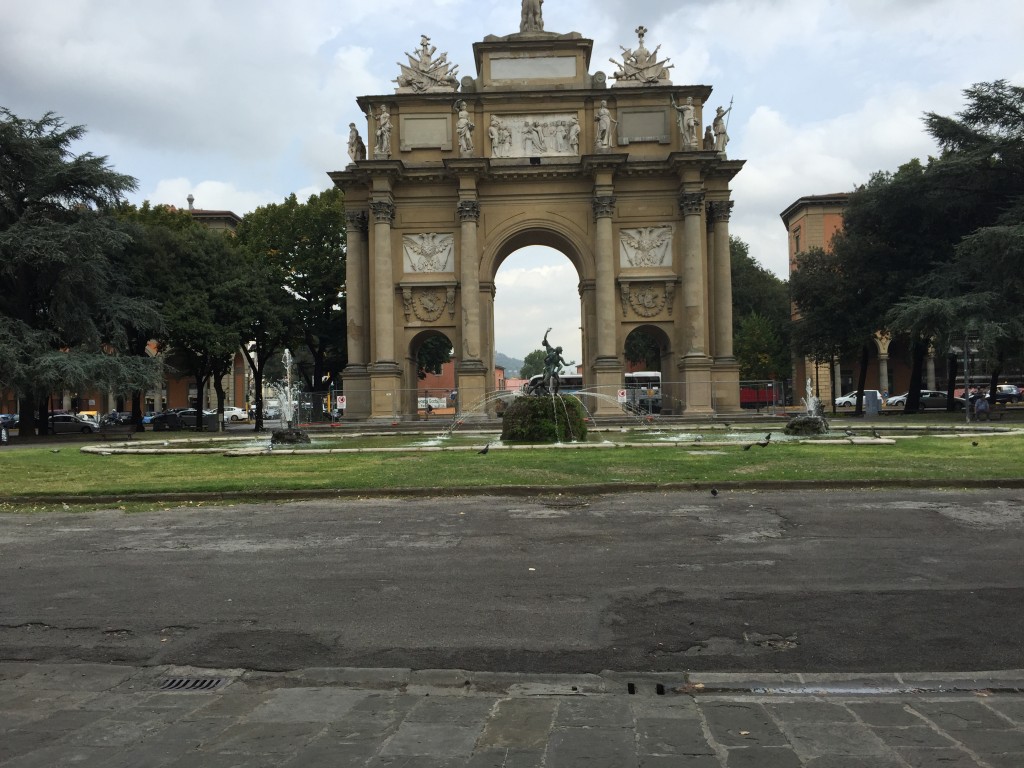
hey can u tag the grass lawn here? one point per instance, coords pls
(40, 477)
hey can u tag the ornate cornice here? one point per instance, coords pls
(357, 221)
(720, 210)
(691, 203)
(383, 212)
(469, 210)
(604, 206)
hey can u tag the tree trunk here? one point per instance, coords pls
(865, 355)
(918, 350)
(951, 366)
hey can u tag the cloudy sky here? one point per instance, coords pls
(241, 102)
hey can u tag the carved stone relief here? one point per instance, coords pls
(646, 247)
(429, 252)
(534, 135)
(426, 74)
(640, 66)
(648, 298)
(426, 304)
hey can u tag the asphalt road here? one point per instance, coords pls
(743, 581)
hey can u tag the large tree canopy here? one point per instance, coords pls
(306, 243)
(63, 316)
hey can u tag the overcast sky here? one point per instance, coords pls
(241, 102)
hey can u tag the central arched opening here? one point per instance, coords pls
(536, 287)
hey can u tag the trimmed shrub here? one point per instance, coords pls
(544, 419)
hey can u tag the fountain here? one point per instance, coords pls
(531, 419)
(812, 422)
(288, 394)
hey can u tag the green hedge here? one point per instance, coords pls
(544, 419)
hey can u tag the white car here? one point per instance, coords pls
(850, 399)
(234, 413)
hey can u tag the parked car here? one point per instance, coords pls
(930, 398)
(70, 423)
(168, 420)
(850, 399)
(188, 417)
(234, 413)
(1007, 393)
(10, 420)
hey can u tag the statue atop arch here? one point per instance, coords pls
(532, 19)
(424, 73)
(641, 66)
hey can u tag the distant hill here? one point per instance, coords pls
(510, 364)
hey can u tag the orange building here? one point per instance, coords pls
(812, 222)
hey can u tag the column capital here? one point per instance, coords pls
(691, 203)
(383, 212)
(357, 220)
(469, 210)
(604, 206)
(720, 210)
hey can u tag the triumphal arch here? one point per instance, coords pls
(614, 171)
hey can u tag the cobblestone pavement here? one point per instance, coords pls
(91, 715)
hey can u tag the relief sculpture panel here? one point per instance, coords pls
(428, 252)
(551, 135)
(645, 247)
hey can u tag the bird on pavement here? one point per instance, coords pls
(483, 451)
(698, 438)
(714, 491)
(768, 437)
(850, 433)
(875, 433)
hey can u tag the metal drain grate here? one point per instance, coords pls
(191, 683)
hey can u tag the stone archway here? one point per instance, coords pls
(536, 150)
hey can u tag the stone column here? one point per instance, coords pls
(385, 372)
(383, 283)
(469, 275)
(357, 310)
(604, 256)
(356, 297)
(471, 369)
(692, 205)
(722, 300)
(883, 371)
(725, 371)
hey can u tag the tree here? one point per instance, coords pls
(306, 242)
(434, 351)
(533, 364)
(757, 293)
(642, 348)
(63, 314)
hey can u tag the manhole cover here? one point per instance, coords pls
(191, 683)
(565, 502)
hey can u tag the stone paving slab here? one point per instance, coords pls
(55, 715)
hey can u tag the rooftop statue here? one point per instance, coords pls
(641, 67)
(532, 19)
(424, 73)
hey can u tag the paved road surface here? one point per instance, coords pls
(775, 581)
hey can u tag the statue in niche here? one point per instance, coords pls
(425, 73)
(356, 147)
(603, 118)
(687, 119)
(641, 66)
(719, 128)
(709, 140)
(383, 145)
(464, 128)
(494, 134)
(532, 19)
(574, 135)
